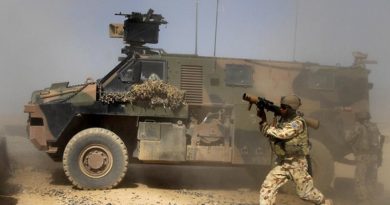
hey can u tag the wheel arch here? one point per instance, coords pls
(123, 126)
(322, 166)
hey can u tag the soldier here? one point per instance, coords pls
(366, 142)
(290, 143)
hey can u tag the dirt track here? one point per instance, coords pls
(38, 180)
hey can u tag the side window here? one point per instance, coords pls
(153, 70)
(238, 75)
(322, 80)
(143, 70)
(129, 73)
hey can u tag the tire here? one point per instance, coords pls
(344, 183)
(95, 158)
(322, 166)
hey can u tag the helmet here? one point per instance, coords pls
(291, 100)
(363, 115)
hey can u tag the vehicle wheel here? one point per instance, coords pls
(95, 158)
(322, 166)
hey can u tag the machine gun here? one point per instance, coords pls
(137, 30)
(264, 104)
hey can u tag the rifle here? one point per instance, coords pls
(264, 104)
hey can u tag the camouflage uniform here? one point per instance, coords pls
(365, 141)
(289, 141)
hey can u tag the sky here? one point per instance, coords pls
(46, 41)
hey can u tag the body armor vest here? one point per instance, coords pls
(369, 140)
(296, 146)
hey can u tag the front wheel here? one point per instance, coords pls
(95, 158)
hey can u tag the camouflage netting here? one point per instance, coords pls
(151, 93)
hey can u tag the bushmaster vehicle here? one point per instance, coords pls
(155, 107)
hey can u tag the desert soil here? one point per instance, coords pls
(38, 180)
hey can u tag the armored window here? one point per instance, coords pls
(146, 70)
(153, 70)
(238, 75)
(128, 73)
(322, 80)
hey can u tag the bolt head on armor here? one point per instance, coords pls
(291, 100)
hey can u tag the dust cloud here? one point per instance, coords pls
(45, 41)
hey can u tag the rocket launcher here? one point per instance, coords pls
(264, 104)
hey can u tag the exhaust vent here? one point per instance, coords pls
(191, 79)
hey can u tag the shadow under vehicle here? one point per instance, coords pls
(98, 127)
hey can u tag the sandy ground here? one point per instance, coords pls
(38, 180)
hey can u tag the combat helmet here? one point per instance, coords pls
(291, 100)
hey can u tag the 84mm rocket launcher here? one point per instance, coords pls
(263, 103)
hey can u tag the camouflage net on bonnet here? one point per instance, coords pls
(150, 93)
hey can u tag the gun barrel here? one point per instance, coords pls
(311, 122)
(250, 99)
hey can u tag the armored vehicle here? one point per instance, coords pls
(155, 107)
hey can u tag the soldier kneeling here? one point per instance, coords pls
(290, 143)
